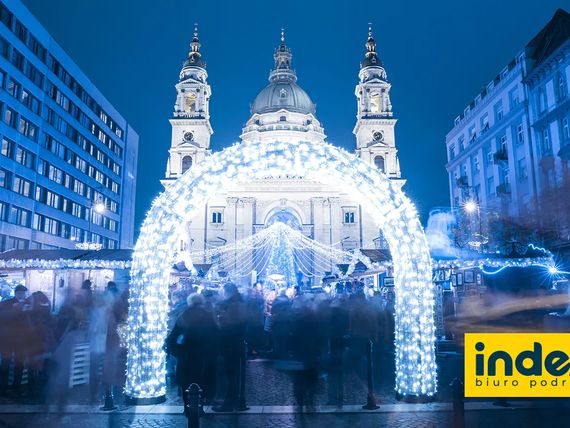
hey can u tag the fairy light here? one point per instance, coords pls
(416, 371)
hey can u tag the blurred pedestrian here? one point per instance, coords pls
(189, 341)
(41, 344)
(14, 337)
(232, 324)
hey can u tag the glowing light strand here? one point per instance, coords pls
(416, 372)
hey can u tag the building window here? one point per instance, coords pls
(22, 186)
(461, 143)
(561, 87)
(565, 130)
(13, 88)
(217, 217)
(349, 217)
(491, 186)
(25, 157)
(514, 97)
(488, 156)
(7, 148)
(472, 133)
(541, 100)
(484, 122)
(451, 152)
(19, 216)
(379, 163)
(476, 165)
(28, 129)
(4, 178)
(523, 172)
(520, 134)
(498, 111)
(186, 163)
(546, 146)
(502, 142)
(10, 117)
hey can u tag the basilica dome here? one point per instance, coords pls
(282, 92)
(282, 95)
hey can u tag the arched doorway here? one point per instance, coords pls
(393, 211)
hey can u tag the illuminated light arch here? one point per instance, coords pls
(392, 210)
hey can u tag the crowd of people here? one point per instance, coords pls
(33, 338)
(312, 336)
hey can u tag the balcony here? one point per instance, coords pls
(463, 181)
(500, 155)
(564, 152)
(504, 189)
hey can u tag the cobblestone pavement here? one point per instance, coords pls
(488, 419)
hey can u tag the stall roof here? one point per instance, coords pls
(66, 259)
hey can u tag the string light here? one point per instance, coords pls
(416, 371)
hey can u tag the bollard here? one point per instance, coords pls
(242, 406)
(458, 403)
(370, 398)
(193, 405)
(108, 404)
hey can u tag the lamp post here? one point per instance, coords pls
(471, 206)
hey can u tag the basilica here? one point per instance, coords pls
(282, 111)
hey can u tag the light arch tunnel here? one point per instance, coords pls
(393, 212)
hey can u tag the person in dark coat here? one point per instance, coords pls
(41, 344)
(189, 342)
(338, 328)
(14, 332)
(232, 323)
(306, 345)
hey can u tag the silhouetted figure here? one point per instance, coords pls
(364, 326)
(41, 344)
(232, 322)
(306, 347)
(14, 335)
(338, 330)
(189, 341)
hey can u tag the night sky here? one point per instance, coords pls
(437, 55)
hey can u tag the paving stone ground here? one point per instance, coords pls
(520, 418)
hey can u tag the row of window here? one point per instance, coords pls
(25, 188)
(73, 159)
(26, 158)
(22, 217)
(20, 123)
(560, 93)
(74, 135)
(58, 176)
(32, 103)
(518, 138)
(40, 51)
(8, 242)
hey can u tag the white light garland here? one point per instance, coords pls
(63, 264)
(416, 372)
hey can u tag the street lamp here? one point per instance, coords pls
(99, 207)
(471, 206)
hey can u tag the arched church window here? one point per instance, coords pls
(379, 162)
(190, 102)
(186, 163)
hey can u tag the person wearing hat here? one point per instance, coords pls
(13, 336)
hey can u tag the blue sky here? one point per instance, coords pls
(437, 55)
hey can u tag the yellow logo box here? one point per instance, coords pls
(517, 364)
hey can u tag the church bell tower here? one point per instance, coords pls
(191, 129)
(374, 130)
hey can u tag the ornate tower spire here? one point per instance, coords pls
(194, 56)
(371, 58)
(282, 56)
